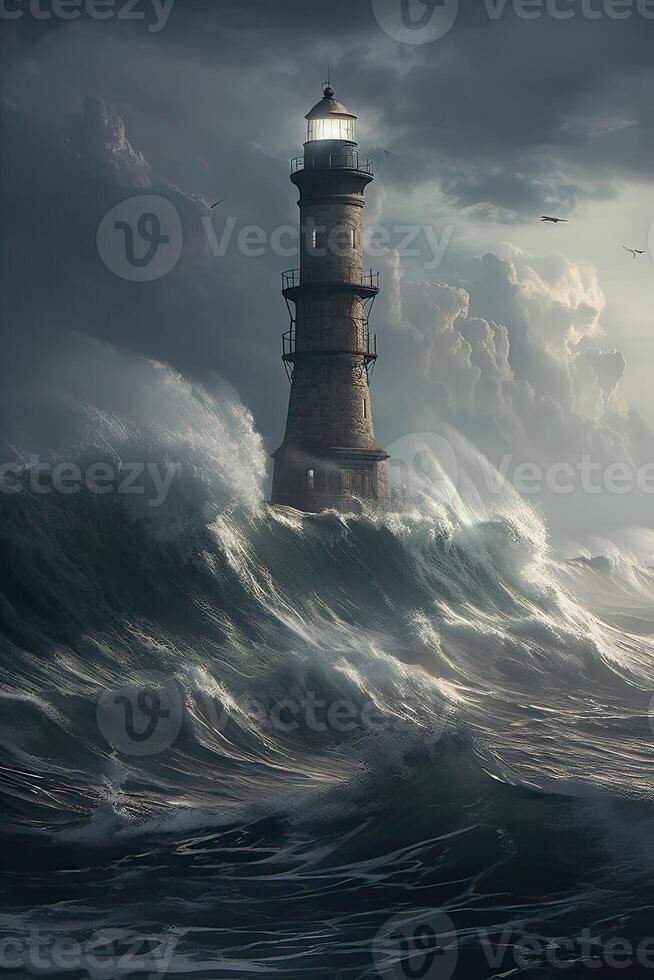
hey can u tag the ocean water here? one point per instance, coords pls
(239, 741)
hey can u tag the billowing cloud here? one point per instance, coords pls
(531, 370)
(97, 138)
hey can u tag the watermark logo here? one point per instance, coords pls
(416, 21)
(422, 242)
(427, 464)
(424, 943)
(569, 9)
(141, 238)
(426, 21)
(142, 717)
(419, 944)
(108, 954)
(156, 12)
(150, 481)
(422, 464)
(650, 240)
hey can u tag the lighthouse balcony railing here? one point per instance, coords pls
(289, 344)
(341, 160)
(292, 279)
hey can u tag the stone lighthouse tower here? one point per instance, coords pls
(329, 457)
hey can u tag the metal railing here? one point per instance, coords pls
(340, 160)
(288, 342)
(369, 346)
(369, 278)
(292, 279)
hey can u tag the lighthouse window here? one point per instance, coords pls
(331, 129)
(311, 480)
(353, 236)
(365, 408)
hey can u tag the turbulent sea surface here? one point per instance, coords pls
(415, 744)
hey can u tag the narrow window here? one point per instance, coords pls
(311, 479)
(353, 236)
(365, 408)
(317, 238)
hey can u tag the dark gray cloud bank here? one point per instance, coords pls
(508, 118)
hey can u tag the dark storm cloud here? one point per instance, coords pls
(507, 101)
(508, 197)
(204, 318)
(492, 109)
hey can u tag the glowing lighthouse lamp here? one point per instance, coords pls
(330, 120)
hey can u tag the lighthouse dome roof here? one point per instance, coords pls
(329, 107)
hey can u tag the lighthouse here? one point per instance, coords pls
(329, 456)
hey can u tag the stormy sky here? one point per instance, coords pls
(526, 338)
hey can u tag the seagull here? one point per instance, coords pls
(554, 221)
(222, 201)
(389, 153)
(634, 251)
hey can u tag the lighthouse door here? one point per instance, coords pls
(356, 482)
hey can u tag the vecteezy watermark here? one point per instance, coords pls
(107, 954)
(253, 241)
(156, 12)
(426, 21)
(43, 477)
(569, 9)
(587, 475)
(144, 716)
(416, 21)
(421, 943)
(141, 238)
(427, 463)
(424, 943)
(320, 716)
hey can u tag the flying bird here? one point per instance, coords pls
(634, 251)
(389, 153)
(554, 221)
(222, 201)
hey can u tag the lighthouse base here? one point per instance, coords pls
(319, 479)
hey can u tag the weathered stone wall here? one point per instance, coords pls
(327, 403)
(331, 242)
(333, 321)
